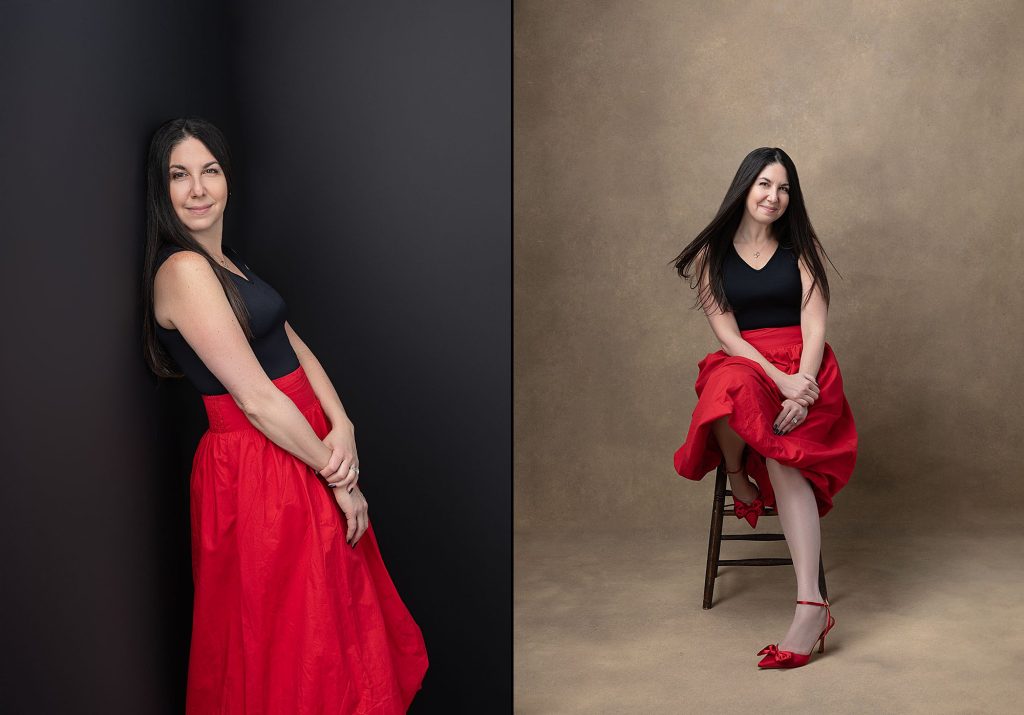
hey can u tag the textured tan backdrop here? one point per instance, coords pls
(905, 122)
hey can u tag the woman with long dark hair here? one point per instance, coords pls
(770, 402)
(294, 611)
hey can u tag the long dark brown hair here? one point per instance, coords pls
(792, 230)
(163, 227)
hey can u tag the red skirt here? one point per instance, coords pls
(823, 447)
(287, 618)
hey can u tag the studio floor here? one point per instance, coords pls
(612, 623)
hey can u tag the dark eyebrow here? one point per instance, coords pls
(765, 178)
(179, 166)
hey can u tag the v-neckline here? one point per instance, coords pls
(756, 270)
(238, 265)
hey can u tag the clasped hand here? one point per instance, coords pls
(800, 387)
(800, 392)
(792, 414)
(341, 473)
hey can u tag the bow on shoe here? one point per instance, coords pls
(772, 649)
(749, 512)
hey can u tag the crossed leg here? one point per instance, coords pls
(731, 446)
(798, 515)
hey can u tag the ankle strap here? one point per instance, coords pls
(815, 603)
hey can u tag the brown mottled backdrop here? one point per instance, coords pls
(905, 122)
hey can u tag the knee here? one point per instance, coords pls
(783, 477)
(778, 473)
(780, 467)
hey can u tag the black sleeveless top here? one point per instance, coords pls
(768, 297)
(267, 314)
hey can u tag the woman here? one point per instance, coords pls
(294, 610)
(770, 402)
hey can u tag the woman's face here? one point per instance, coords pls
(199, 191)
(769, 196)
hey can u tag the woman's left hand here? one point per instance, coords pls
(342, 471)
(793, 413)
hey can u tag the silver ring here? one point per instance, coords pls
(353, 469)
(796, 419)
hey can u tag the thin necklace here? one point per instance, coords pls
(757, 254)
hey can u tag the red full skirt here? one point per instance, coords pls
(287, 617)
(823, 448)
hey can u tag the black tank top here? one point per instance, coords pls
(267, 314)
(768, 297)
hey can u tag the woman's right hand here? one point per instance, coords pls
(800, 387)
(353, 505)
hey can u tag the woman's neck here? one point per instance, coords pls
(211, 243)
(751, 233)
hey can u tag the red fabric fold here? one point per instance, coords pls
(287, 618)
(823, 447)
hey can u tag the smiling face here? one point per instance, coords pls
(769, 196)
(198, 188)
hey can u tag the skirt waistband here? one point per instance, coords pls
(225, 416)
(774, 337)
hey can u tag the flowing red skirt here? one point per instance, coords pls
(288, 618)
(823, 448)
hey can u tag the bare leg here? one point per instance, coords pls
(798, 514)
(732, 446)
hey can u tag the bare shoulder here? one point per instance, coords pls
(184, 273)
(195, 304)
(181, 263)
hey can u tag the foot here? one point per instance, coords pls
(808, 623)
(743, 489)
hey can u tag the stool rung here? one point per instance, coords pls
(730, 511)
(764, 561)
(720, 509)
(753, 537)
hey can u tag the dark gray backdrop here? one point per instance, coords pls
(372, 189)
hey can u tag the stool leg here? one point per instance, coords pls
(821, 578)
(715, 536)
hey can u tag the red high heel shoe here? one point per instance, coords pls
(775, 658)
(750, 511)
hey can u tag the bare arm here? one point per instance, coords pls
(798, 387)
(813, 313)
(812, 325)
(322, 385)
(728, 334)
(196, 305)
(340, 470)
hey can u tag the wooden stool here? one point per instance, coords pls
(716, 537)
